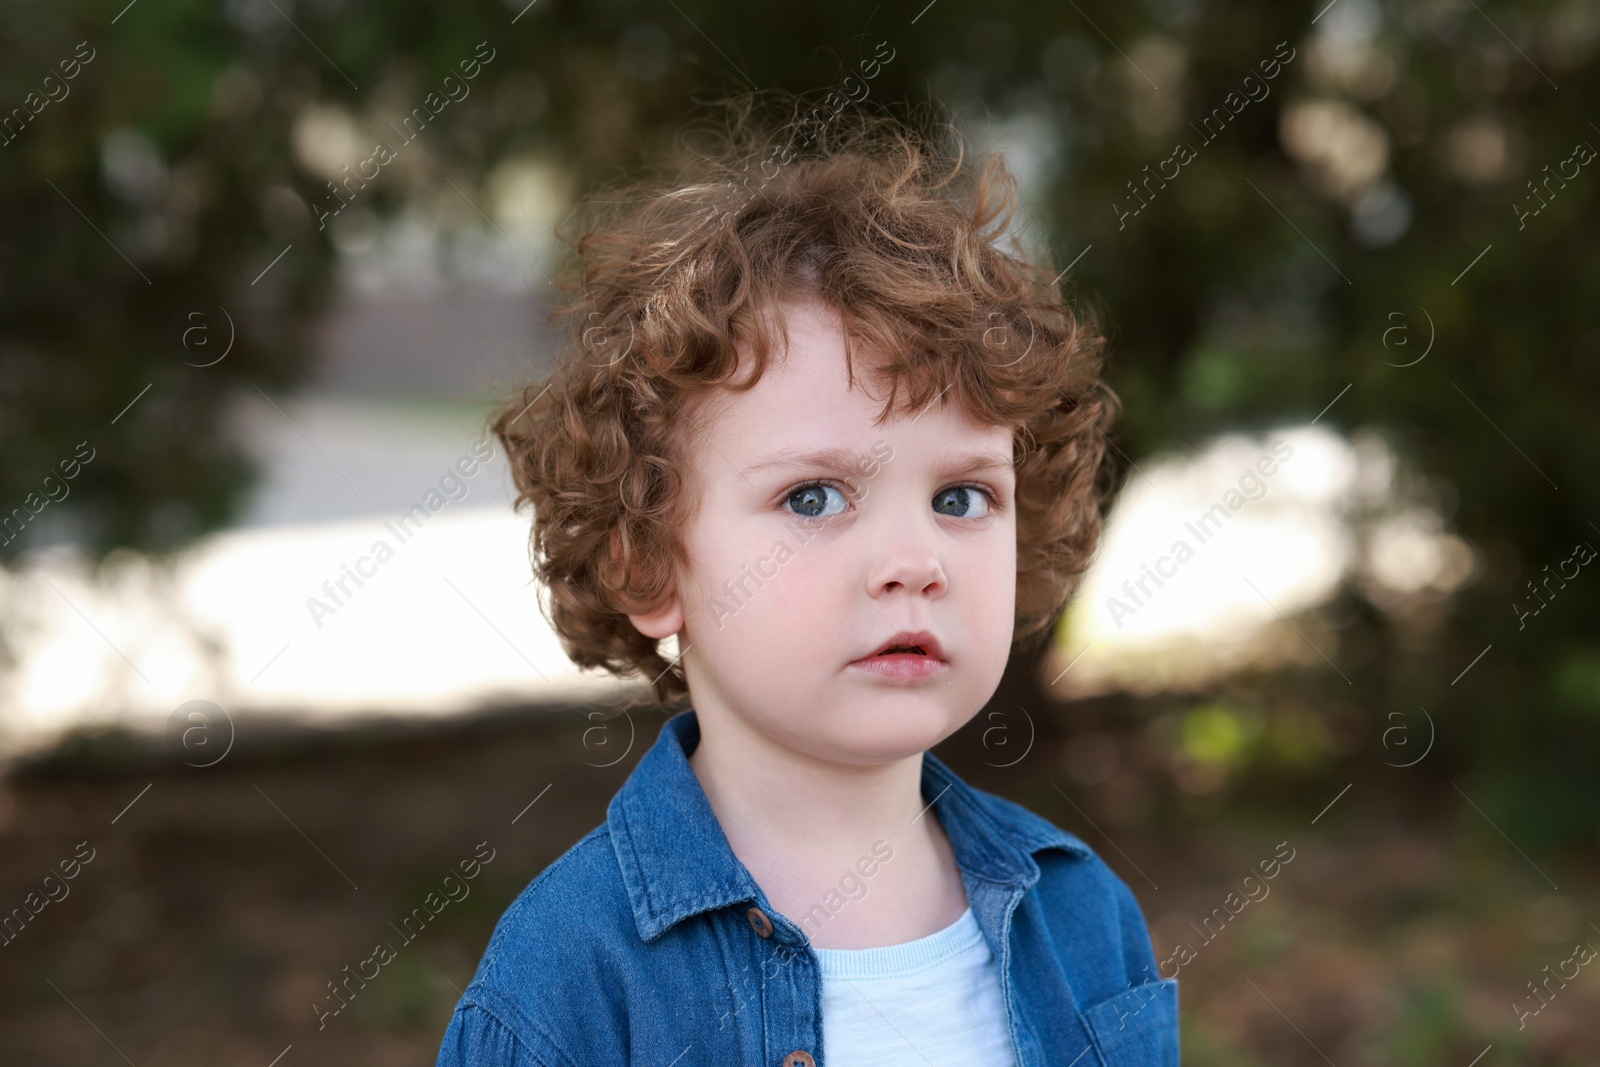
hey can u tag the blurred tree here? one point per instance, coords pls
(1257, 190)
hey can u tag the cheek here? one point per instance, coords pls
(990, 579)
(796, 587)
(757, 602)
(993, 554)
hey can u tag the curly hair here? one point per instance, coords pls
(889, 223)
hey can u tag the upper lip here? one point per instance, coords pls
(912, 639)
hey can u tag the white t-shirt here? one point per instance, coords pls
(935, 1000)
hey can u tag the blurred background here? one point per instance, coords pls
(240, 348)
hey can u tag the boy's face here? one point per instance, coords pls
(778, 607)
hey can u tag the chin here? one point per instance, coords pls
(886, 731)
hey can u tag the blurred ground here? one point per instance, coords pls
(206, 926)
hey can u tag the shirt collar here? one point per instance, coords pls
(676, 861)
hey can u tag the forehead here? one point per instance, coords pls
(805, 401)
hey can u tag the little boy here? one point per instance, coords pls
(814, 425)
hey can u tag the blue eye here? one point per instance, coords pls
(812, 497)
(957, 501)
(961, 497)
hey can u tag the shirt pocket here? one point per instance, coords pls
(1138, 1027)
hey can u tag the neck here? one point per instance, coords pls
(810, 831)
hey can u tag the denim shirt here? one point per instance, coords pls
(649, 943)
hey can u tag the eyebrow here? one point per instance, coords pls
(962, 463)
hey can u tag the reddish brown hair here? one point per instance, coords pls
(886, 220)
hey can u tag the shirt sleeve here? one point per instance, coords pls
(477, 1038)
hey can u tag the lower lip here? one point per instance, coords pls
(906, 665)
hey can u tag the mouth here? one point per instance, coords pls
(909, 653)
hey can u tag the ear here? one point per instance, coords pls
(661, 621)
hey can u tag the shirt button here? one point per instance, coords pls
(763, 926)
(799, 1058)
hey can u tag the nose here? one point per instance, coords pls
(905, 559)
